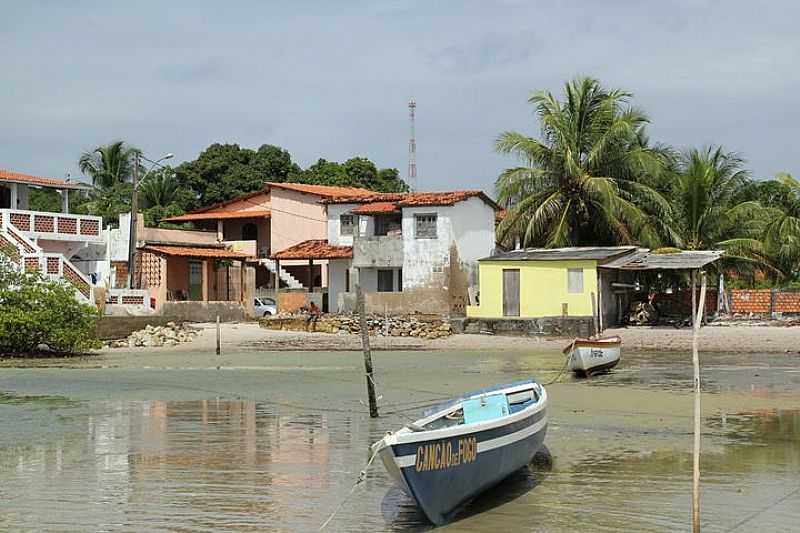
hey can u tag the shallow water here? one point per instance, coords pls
(277, 445)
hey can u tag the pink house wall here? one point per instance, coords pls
(296, 217)
(259, 201)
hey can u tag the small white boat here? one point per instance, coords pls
(594, 355)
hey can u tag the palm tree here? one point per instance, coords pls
(584, 181)
(705, 211)
(159, 189)
(109, 164)
(782, 233)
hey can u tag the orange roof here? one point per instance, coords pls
(315, 249)
(328, 191)
(412, 199)
(220, 215)
(191, 251)
(376, 208)
(18, 177)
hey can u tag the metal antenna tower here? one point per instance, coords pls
(412, 148)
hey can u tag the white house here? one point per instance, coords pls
(410, 251)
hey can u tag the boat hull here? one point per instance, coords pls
(592, 357)
(444, 474)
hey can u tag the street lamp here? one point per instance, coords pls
(135, 208)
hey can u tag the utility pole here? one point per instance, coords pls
(134, 209)
(362, 320)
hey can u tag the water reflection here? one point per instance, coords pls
(236, 465)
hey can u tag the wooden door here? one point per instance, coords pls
(195, 280)
(511, 292)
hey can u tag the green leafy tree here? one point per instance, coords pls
(106, 202)
(109, 164)
(160, 196)
(355, 172)
(224, 171)
(44, 200)
(583, 181)
(35, 311)
(782, 232)
(704, 195)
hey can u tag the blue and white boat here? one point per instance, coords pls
(463, 447)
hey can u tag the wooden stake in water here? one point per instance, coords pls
(218, 340)
(696, 364)
(362, 320)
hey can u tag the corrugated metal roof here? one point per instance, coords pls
(646, 260)
(577, 253)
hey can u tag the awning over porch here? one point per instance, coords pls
(647, 260)
(315, 249)
(200, 253)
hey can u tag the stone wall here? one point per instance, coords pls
(120, 327)
(532, 327)
(422, 326)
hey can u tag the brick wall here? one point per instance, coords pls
(787, 301)
(764, 301)
(743, 301)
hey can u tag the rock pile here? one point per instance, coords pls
(415, 325)
(169, 335)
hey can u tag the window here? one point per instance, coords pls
(249, 232)
(385, 280)
(346, 224)
(575, 280)
(425, 226)
(388, 225)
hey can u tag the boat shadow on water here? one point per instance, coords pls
(402, 514)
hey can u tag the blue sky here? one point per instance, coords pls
(332, 79)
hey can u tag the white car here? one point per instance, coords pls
(265, 306)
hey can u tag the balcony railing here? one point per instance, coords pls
(55, 226)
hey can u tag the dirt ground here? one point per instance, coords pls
(736, 339)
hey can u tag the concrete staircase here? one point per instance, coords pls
(26, 254)
(286, 277)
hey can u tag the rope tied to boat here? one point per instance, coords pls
(362, 476)
(566, 362)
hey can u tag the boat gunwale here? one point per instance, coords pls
(605, 342)
(406, 436)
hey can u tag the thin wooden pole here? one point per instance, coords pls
(697, 428)
(219, 348)
(594, 314)
(362, 319)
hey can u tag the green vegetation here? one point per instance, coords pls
(225, 171)
(36, 312)
(593, 178)
(221, 172)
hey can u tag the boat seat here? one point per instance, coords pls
(485, 408)
(517, 407)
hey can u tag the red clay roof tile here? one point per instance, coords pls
(412, 199)
(376, 208)
(191, 251)
(220, 215)
(328, 191)
(315, 249)
(18, 177)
